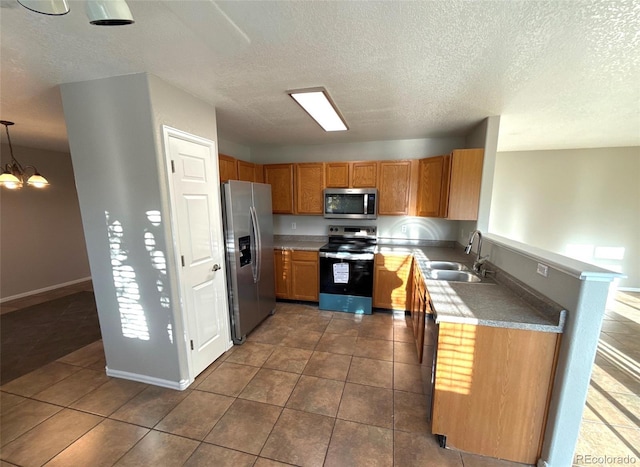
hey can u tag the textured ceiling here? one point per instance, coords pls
(562, 74)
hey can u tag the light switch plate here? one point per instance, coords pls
(542, 269)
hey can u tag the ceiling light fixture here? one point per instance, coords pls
(46, 7)
(13, 175)
(109, 12)
(319, 105)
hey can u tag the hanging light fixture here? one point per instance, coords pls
(13, 174)
(46, 7)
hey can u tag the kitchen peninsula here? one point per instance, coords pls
(496, 353)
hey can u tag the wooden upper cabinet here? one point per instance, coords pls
(431, 172)
(280, 177)
(246, 171)
(337, 174)
(364, 174)
(397, 187)
(227, 168)
(258, 171)
(309, 186)
(464, 184)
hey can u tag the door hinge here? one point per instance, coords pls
(182, 260)
(192, 344)
(173, 166)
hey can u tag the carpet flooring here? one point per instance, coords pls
(39, 334)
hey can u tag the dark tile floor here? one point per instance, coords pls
(309, 387)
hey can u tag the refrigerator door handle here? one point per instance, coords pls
(255, 231)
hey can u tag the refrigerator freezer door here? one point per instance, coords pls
(266, 284)
(243, 293)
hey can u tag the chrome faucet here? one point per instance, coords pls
(477, 264)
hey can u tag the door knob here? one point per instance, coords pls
(216, 267)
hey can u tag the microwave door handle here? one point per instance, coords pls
(366, 203)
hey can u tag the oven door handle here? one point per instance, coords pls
(347, 256)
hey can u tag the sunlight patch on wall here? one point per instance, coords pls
(609, 257)
(132, 318)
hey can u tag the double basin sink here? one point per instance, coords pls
(450, 271)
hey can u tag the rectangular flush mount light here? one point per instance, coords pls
(317, 103)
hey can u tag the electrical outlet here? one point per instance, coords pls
(403, 229)
(542, 269)
(293, 226)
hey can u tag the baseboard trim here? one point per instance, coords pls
(628, 289)
(45, 289)
(165, 383)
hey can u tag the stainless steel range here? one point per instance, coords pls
(346, 269)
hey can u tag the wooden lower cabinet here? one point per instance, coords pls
(492, 389)
(296, 274)
(419, 309)
(391, 281)
(282, 266)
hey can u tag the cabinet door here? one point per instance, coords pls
(430, 186)
(492, 389)
(337, 174)
(309, 186)
(395, 187)
(282, 266)
(280, 177)
(304, 275)
(465, 181)
(227, 168)
(258, 172)
(364, 174)
(246, 171)
(391, 281)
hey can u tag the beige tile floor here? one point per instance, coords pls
(611, 421)
(309, 387)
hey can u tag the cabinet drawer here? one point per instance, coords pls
(301, 255)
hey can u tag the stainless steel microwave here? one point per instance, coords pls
(350, 203)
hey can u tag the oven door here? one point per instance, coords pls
(346, 273)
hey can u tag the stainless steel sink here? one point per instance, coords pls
(446, 265)
(455, 276)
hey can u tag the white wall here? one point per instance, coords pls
(370, 150)
(582, 203)
(114, 128)
(415, 228)
(40, 230)
(239, 151)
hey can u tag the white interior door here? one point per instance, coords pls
(198, 222)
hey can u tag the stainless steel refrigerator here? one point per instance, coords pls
(248, 224)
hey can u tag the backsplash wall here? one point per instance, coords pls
(397, 227)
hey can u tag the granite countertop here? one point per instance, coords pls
(298, 242)
(501, 302)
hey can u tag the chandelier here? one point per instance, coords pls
(14, 174)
